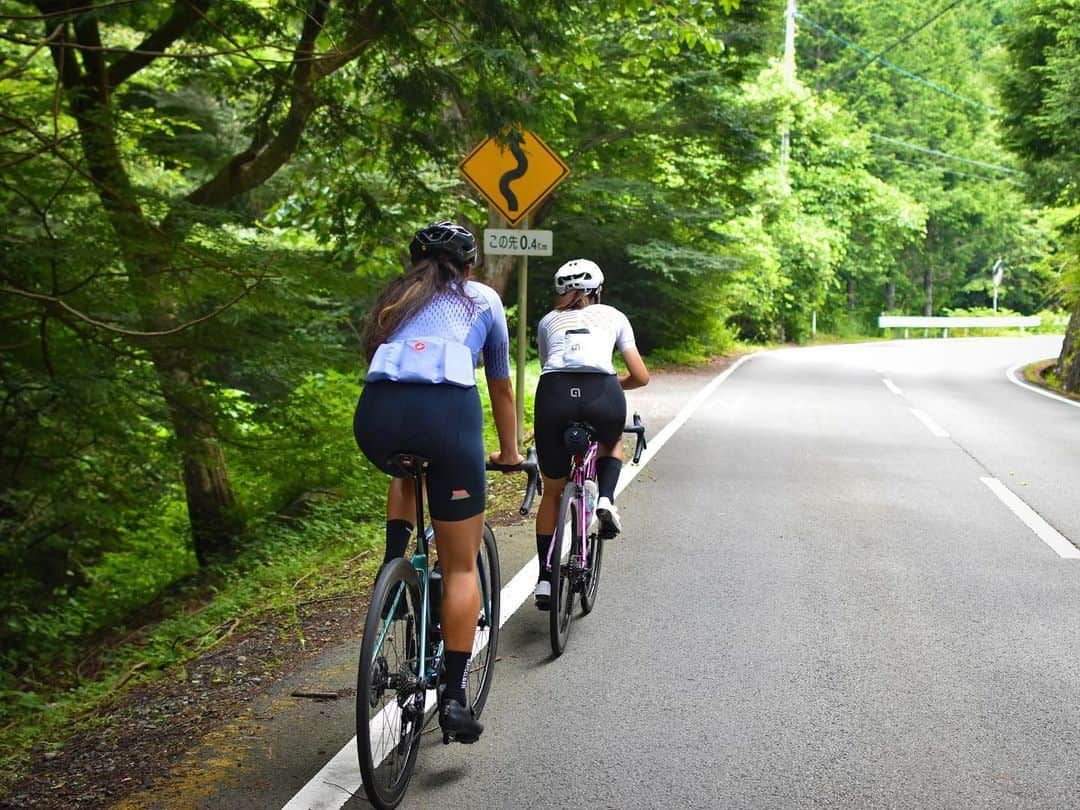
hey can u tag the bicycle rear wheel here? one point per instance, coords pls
(562, 590)
(486, 642)
(389, 696)
(591, 584)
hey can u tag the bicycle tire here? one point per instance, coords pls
(591, 584)
(387, 738)
(486, 643)
(562, 592)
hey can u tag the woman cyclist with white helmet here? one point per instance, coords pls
(423, 339)
(578, 383)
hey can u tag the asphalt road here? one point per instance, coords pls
(817, 601)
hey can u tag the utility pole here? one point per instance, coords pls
(788, 73)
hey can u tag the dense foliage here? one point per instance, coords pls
(201, 199)
(1043, 128)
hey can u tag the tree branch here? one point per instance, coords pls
(186, 13)
(9, 74)
(251, 167)
(59, 304)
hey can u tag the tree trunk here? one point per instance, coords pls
(215, 521)
(851, 293)
(928, 287)
(1068, 364)
(497, 269)
(890, 295)
(210, 500)
(497, 272)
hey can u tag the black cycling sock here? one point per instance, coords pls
(398, 533)
(607, 476)
(543, 543)
(457, 664)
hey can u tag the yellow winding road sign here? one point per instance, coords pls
(514, 176)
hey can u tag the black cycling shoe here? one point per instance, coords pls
(458, 723)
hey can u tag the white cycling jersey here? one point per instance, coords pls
(583, 339)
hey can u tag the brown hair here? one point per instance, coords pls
(576, 299)
(408, 294)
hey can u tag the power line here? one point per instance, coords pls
(937, 153)
(956, 172)
(852, 71)
(876, 57)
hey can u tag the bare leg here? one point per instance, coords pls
(401, 500)
(547, 514)
(400, 517)
(610, 450)
(458, 543)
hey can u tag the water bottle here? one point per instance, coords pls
(592, 492)
(435, 594)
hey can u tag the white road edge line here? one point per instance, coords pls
(1011, 376)
(339, 779)
(1047, 533)
(892, 386)
(931, 425)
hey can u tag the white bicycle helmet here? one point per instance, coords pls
(578, 274)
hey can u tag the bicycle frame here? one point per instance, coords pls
(582, 469)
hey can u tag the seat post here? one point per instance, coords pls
(418, 482)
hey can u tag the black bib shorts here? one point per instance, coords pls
(443, 423)
(563, 397)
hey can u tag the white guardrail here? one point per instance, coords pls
(947, 322)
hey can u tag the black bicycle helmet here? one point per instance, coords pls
(446, 238)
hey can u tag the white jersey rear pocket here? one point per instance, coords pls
(582, 348)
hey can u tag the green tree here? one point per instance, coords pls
(145, 145)
(1043, 128)
(929, 96)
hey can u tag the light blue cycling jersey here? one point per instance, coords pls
(442, 342)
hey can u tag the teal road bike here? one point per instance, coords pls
(401, 654)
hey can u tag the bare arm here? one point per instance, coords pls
(638, 375)
(505, 414)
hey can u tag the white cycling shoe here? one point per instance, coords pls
(542, 594)
(609, 517)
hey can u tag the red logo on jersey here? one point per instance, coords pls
(419, 346)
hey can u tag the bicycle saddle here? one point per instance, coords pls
(409, 465)
(577, 436)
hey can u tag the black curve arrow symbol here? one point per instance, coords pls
(516, 140)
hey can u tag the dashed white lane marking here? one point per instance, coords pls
(892, 387)
(1011, 376)
(931, 425)
(339, 779)
(1047, 533)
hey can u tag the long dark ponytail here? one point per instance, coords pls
(408, 294)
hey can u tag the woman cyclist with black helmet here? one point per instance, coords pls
(423, 339)
(578, 383)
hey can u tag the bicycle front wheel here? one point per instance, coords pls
(486, 642)
(562, 590)
(389, 695)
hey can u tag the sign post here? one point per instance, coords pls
(999, 274)
(515, 174)
(519, 392)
